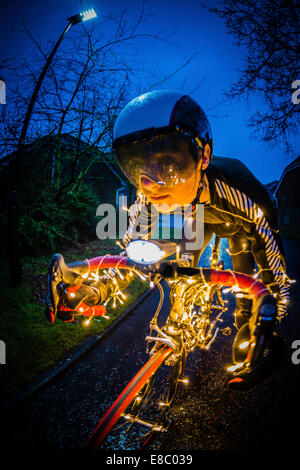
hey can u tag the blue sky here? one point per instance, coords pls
(192, 30)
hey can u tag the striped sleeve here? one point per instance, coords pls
(267, 245)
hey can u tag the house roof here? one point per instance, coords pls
(70, 141)
(292, 166)
(271, 186)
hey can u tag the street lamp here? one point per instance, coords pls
(13, 239)
(83, 16)
(80, 18)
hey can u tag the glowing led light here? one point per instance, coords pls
(152, 284)
(185, 381)
(121, 275)
(235, 367)
(119, 245)
(141, 276)
(240, 296)
(244, 345)
(72, 294)
(157, 428)
(225, 291)
(87, 322)
(236, 288)
(80, 309)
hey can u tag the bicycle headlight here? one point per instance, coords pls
(149, 251)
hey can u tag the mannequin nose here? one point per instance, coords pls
(149, 184)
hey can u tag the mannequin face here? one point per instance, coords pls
(178, 195)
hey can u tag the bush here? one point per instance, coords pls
(48, 224)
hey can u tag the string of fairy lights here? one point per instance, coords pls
(118, 297)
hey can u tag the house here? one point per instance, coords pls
(270, 187)
(287, 196)
(41, 159)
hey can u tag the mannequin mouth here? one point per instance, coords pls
(157, 198)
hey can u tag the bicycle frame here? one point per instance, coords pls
(196, 309)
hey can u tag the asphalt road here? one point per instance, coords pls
(206, 414)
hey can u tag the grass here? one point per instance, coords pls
(33, 344)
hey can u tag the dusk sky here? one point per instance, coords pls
(193, 30)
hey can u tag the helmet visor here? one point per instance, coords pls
(163, 160)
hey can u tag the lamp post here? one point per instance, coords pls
(13, 210)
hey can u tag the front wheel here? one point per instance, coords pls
(146, 400)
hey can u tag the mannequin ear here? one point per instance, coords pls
(204, 157)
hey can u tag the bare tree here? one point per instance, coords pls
(269, 31)
(91, 77)
(70, 104)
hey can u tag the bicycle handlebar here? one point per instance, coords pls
(166, 270)
(173, 270)
(74, 273)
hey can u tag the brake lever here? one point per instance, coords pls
(55, 276)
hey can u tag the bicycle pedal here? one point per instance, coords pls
(143, 422)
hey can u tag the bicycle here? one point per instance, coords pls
(196, 309)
